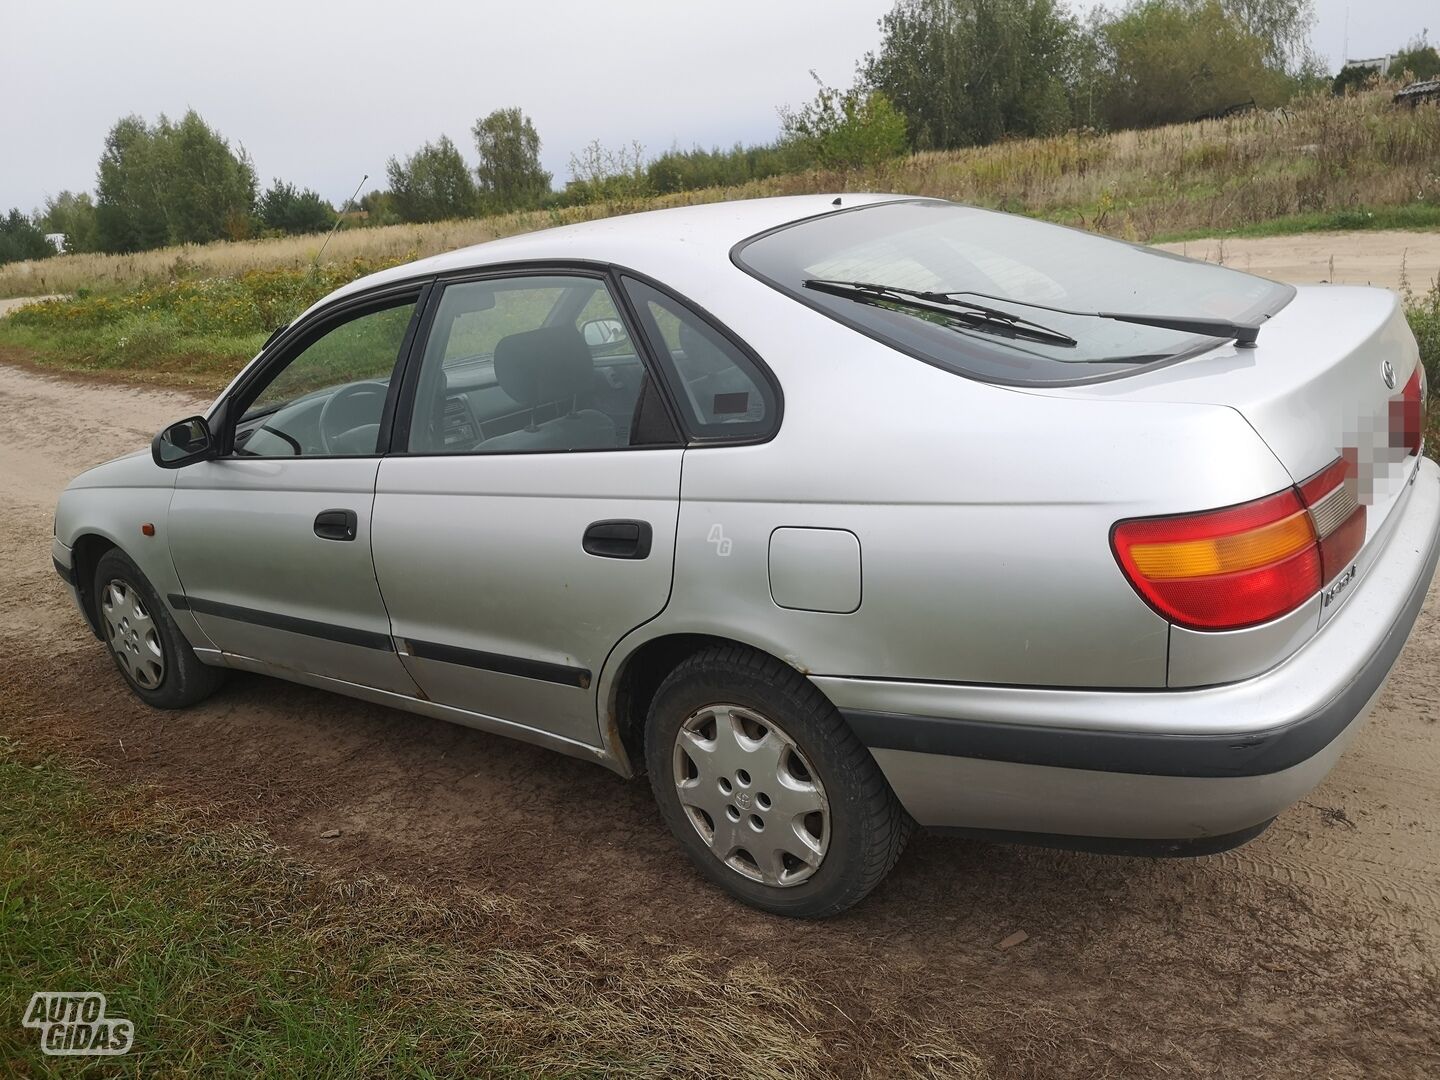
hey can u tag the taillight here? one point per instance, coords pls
(1407, 414)
(1247, 564)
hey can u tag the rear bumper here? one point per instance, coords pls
(1173, 765)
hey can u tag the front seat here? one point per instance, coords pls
(551, 365)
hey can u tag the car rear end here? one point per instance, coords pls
(1284, 607)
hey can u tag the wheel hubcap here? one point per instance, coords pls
(751, 795)
(133, 635)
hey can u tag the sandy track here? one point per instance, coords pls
(1342, 258)
(1310, 952)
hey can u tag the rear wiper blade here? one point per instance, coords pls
(1243, 333)
(974, 316)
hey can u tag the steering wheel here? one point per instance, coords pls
(328, 413)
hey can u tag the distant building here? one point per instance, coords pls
(1380, 64)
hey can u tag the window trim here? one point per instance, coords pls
(287, 346)
(601, 272)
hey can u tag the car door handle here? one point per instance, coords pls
(336, 524)
(618, 539)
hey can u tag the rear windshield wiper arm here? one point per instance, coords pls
(1243, 333)
(972, 315)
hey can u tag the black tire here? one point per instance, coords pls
(183, 680)
(868, 828)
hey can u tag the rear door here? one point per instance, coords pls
(272, 540)
(528, 522)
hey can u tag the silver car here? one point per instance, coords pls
(834, 515)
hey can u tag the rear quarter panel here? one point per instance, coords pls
(983, 513)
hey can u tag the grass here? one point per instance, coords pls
(190, 332)
(231, 959)
(1417, 217)
(1322, 163)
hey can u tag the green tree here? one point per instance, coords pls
(1418, 60)
(1174, 60)
(432, 184)
(843, 128)
(379, 208)
(73, 214)
(509, 173)
(170, 183)
(21, 238)
(972, 71)
(285, 208)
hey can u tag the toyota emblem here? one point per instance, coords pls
(1387, 370)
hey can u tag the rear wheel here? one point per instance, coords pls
(767, 788)
(144, 641)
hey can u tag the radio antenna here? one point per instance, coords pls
(339, 218)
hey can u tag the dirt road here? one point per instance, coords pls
(1342, 258)
(1311, 952)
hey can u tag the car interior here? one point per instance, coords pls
(570, 383)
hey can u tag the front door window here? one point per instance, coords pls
(328, 400)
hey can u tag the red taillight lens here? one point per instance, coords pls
(1247, 564)
(1407, 415)
(1223, 569)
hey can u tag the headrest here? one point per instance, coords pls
(545, 365)
(702, 356)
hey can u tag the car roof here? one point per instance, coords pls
(708, 230)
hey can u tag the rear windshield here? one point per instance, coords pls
(937, 246)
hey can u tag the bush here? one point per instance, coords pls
(843, 129)
(287, 209)
(694, 169)
(618, 176)
(21, 238)
(1423, 311)
(1418, 60)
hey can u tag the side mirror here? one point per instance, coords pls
(183, 444)
(601, 333)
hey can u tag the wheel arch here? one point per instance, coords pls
(632, 674)
(86, 552)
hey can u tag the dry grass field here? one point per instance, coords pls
(1351, 162)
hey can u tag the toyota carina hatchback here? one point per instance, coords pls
(834, 515)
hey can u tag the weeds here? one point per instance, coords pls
(230, 958)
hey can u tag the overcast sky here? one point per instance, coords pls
(320, 92)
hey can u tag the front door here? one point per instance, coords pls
(530, 524)
(272, 541)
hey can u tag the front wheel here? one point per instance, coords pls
(144, 641)
(767, 788)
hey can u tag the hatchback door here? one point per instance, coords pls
(271, 541)
(531, 523)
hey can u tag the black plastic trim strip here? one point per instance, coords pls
(541, 670)
(66, 574)
(1183, 848)
(345, 635)
(1152, 754)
